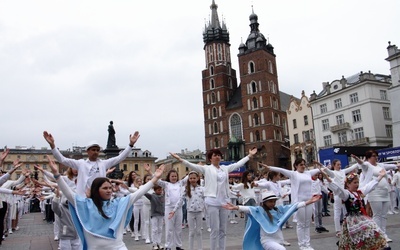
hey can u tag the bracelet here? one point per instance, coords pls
(130, 145)
(56, 176)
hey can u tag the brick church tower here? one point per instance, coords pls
(240, 117)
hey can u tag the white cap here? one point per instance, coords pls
(93, 144)
(268, 196)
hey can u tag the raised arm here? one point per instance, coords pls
(285, 172)
(66, 190)
(6, 176)
(195, 167)
(3, 156)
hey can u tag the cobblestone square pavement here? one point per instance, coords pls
(35, 234)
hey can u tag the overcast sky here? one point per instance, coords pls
(72, 66)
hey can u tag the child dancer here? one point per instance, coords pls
(146, 212)
(246, 190)
(157, 215)
(300, 181)
(264, 229)
(173, 228)
(194, 194)
(137, 208)
(358, 230)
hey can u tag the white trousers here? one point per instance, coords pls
(146, 221)
(156, 229)
(303, 216)
(379, 210)
(218, 218)
(173, 228)
(137, 214)
(338, 210)
(195, 221)
(74, 244)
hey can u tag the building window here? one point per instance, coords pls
(342, 136)
(253, 87)
(274, 103)
(44, 166)
(236, 127)
(256, 120)
(306, 135)
(323, 108)
(327, 140)
(276, 119)
(356, 115)
(215, 113)
(305, 120)
(125, 167)
(255, 103)
(354, 98)
(251, 68)
(136, 167)
(258, 137)
(338, 103)
(325, 124)
(216, 142)
(219, 51)
(340, 119)
(270, 67)
(389, 132)
(294, 123)
(386, 113)
(359, 133)
(383, 94)
(216, 128)
(213, 98)
(212, 84)
(296, 138)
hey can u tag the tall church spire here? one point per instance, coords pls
(214, 31)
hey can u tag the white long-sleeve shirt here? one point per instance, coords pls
(300, 183)
(89, 170)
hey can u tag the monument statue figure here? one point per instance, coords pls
(111, 143)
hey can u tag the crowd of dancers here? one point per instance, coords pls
(91, 211)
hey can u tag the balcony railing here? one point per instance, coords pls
(343, 126)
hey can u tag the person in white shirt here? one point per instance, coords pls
(301, 183)
(105, 218)
(173, 229)
(338, 175)
(246, 191)
(379, 197)
(216, 191)
(194, 195)
(392, 193)
(92, 167)
(396, 183)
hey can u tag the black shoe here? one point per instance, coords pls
(318, 230)
(326, 214)
(323, 229)
(178, 248)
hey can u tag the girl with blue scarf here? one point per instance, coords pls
(100, 220)
(264, 226)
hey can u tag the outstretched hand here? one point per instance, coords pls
(358, 160)
(252, 152)
(229, 206)
(159, 171)
(176, 156)
(53, 165)
(133, 138)
(4, 154)
(49, 138)
(263, 165)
